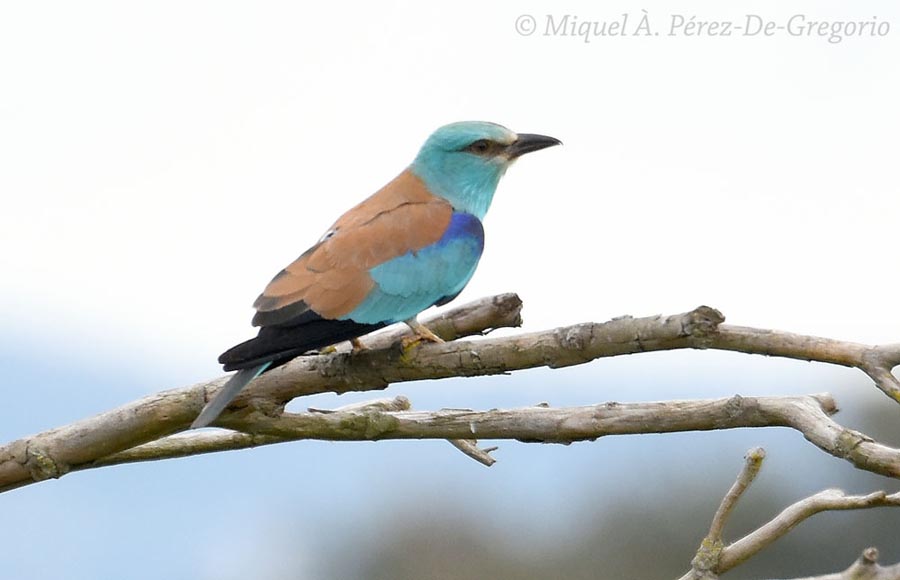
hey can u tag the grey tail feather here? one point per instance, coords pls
(228, 391)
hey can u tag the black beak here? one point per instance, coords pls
(528, 142)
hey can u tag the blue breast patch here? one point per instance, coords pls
(464, 225)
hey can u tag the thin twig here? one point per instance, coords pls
(706, 561)
(714, 558)
(398, 403)
(752, 464)
(828, 500)
(470, 448)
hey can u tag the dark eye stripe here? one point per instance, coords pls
(481, 147)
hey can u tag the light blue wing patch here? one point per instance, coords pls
(415, 281)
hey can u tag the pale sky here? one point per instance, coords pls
(160, 162)
(163, 161)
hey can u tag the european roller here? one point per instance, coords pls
(414, 244)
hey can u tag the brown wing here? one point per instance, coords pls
(332, 278)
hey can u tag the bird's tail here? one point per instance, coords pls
(229, 391)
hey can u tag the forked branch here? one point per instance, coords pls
(715, 557)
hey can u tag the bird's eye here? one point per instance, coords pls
(479, 147)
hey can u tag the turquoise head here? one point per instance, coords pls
(463, 162)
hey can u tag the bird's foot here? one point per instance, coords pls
(408, 343)
(420, 334)
(358, 346)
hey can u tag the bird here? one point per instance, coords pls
(413, 244)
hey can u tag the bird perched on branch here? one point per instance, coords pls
(415, 243)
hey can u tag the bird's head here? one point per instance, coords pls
(463, 162)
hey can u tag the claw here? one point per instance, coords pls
(358, 346)
(420, 334)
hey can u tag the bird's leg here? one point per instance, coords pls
(357, 345)
(421, 331)
(420, 334)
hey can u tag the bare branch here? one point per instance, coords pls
(714, 557)
(828, 500)
(809, 415)
(873, 360)
(884, 380)
(752, 463)
(184, 445)
(198, 442)
(90, 441)
(701, 328)
(706, 561)
(99, 440)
